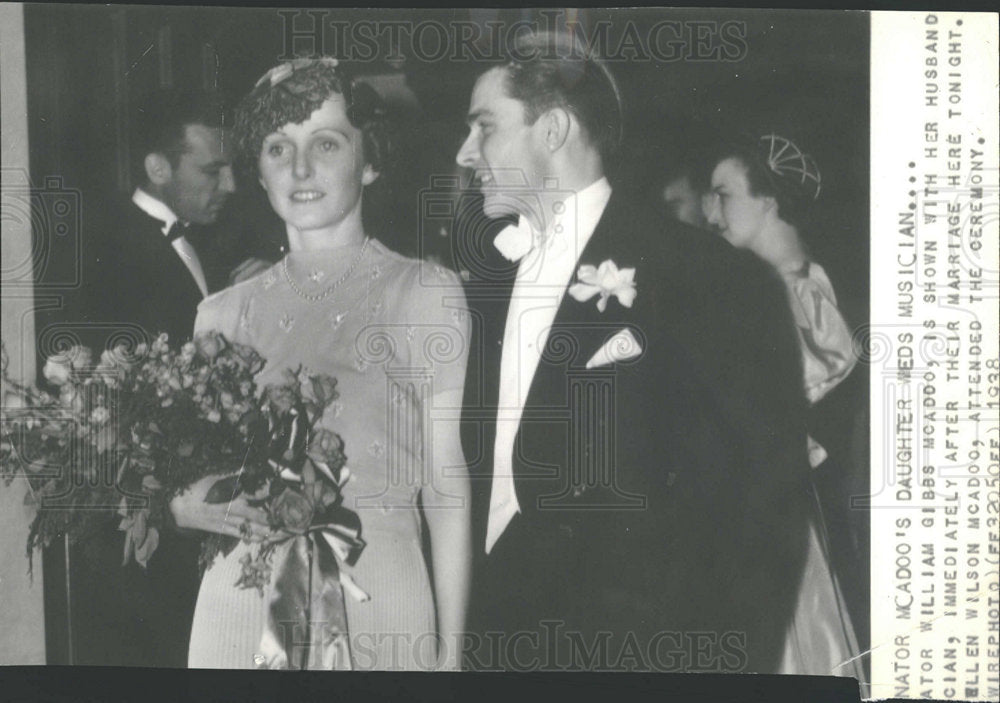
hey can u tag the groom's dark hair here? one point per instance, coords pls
(548, 70)
(161, 118)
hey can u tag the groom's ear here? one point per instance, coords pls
(555, 124)
(158, 168)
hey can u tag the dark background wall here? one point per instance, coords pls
(804, 76)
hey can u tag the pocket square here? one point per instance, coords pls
(620, 347)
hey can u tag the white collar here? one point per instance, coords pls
(573, 225)
(155, 208)
(574, 222)
(580, 213)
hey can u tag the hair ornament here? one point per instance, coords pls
(282, 71)
(786, 161)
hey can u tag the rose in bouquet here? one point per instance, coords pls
(304, 472)
(313, 533)
(118, 439)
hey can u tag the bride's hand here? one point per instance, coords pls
(190, 511)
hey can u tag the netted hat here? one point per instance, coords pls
(291, 91)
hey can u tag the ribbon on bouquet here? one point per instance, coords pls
(306, 625)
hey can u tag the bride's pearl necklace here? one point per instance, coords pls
(322, 295)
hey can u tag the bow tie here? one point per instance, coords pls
(515, 241)
(176, 231)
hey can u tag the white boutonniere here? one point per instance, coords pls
(605, 280)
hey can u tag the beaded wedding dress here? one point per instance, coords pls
(392, 331)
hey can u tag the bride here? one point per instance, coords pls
(393, 331)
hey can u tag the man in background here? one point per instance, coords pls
(152, 265)
(683, 194)
(149, 272)
(668, 160)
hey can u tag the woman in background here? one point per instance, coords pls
(760, 197)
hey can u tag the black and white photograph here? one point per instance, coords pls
(648, 341)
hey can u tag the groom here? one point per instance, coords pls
(633, 409)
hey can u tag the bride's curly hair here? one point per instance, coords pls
(291, 92)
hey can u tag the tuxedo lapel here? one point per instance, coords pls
(488, 296)
(158, 255)
(156, 289)
(489, 302)
(579, 328)
(563, 439)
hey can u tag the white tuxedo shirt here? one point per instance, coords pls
(542, 279)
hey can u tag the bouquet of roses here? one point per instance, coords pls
(316, 534)
(304, 470)
(120, 439)
(124, 436)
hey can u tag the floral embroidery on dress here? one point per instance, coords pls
(270, 278)
(361, 365)
(376, 449)
(376, 271)
(336, 318)
(316, 276)
(411, 332)
(286, 322)
(376, 307)
(458, 316)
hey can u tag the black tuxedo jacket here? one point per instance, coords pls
(135, 286)
(138, 283)
(663, 500)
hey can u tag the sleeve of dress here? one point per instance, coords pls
(827, 349)
(437, 326)
(219, 312)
